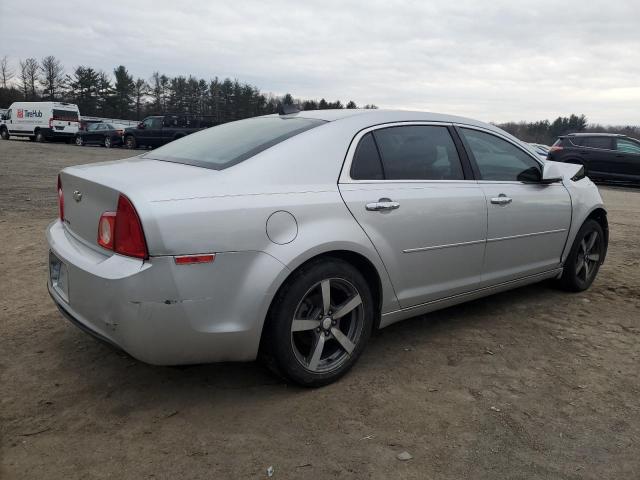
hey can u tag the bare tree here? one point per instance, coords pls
(29, 70)
(52, 77)
(6, 73)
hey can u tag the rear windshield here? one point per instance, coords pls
(226, 145)
(66, 115)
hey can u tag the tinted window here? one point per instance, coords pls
(596, 142)
(92, 127)
(366, 161)
(628, 146)
(500, 160)
(67, 115)
(418, 152)
(225, 145)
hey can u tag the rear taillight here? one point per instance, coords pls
(120, 132)
(121, 231)
(51, 123)
(555, 148)
(60, 200)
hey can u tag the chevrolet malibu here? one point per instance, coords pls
(292, 237)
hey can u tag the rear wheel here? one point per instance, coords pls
(319, 323)
(4, 133)
(107, 142)
(130, 142)
(39, 137)
(585, 257)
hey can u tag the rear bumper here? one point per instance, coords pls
(162, 313)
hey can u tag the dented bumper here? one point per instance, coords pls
(163, 313)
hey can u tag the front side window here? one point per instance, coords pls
(92, 127)
(225, 145)
(628, 146)
(499, 160)
(418, 152)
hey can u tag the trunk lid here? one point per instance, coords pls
(90, 190)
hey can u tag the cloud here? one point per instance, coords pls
(495, 61)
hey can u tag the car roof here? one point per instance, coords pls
(377, 116)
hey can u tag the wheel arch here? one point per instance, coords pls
(358, 260)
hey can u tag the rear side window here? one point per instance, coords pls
(231, 143)
(499, 160)
(594, 142)
(65, 115)
(366, 161)
(418, 152)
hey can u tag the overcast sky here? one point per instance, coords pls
(491, 60)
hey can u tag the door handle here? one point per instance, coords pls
(382, 205)
(501, 199)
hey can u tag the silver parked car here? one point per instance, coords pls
(295, 235)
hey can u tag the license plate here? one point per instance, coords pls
(59, 276)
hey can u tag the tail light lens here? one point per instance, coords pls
(120, 132)
(51, 123)
(60, 200)
(121, 231)
(555, 148)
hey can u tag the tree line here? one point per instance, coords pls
(547, 132)
(122, 96)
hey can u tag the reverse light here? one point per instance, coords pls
(60, 200)
(121, 231)
(192, 259)
(106, 230)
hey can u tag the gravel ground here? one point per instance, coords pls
(532, 383)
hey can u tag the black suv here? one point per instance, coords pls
(157, 130)
(605, 156)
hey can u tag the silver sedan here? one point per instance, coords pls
(292, 237)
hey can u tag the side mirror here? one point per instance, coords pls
(551, 173)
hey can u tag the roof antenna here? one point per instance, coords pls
(287, 109)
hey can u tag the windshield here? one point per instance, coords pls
(231, 143)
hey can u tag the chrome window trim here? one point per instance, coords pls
(345, 174)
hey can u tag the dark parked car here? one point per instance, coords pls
(161, 129)
(606, 157)
(105, 134)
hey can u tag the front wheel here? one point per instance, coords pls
(319, 323)
(79, 141)
(585, 258)
(4, 133)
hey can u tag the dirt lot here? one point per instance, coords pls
(533, 383)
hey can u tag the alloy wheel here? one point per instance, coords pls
(107, 142)
(588, 256)
(327, 325)
(79, 141)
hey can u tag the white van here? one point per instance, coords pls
(41, 121)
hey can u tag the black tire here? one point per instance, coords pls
(130, 142)
(107, 142)
(4, 133)
(39, 137)
(284, 349)
(79, 141)
(584, 260)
